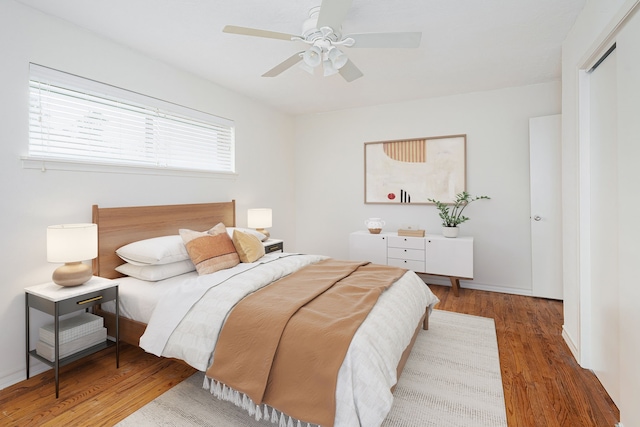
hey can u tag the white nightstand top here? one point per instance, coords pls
(271, 241)
(53, 292)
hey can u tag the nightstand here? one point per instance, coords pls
(58, 301)
(273, 245)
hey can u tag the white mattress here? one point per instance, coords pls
(138, 298)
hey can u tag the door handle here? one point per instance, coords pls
(537, 217)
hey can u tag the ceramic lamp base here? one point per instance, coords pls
(72, 274)
(263, 231)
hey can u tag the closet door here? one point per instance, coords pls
(628, 72)
(604, 226)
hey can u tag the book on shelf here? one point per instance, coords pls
(48, 351)
(410, 232)
(71, 328)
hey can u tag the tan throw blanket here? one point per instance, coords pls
(284, 344)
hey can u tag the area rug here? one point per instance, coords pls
(452, 379)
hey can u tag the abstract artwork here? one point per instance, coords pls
(413, 171)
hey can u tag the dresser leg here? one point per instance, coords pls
(455, 285)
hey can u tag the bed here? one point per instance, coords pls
(375, 356)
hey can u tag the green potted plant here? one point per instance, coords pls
(451, 214)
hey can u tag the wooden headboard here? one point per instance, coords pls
(120, 226)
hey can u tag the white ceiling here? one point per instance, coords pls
(467, 45)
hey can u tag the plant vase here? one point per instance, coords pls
(451, 214)
(450, 231)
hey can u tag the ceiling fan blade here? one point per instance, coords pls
(350, 72)
(386, 40)
(257, 33)
(332, 13)
(284, 65)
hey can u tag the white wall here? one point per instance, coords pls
(31, 199)
(329, 164)
(599, 20)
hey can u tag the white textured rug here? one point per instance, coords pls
(452, 379)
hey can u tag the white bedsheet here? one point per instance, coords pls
(138, 298)
(363, 396)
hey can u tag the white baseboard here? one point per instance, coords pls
(37, 367)
(568, 339)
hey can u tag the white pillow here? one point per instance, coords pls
(258, 234)
(153, 273)
(154, 251)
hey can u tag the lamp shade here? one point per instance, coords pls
(313, 56)
(328, 69)
(259, 218)
(72, 242)
(338, 58)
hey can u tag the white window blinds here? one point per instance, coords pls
(79, 120)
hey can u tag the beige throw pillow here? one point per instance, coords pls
(248, 246)
(210, 252)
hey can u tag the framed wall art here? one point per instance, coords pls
(413, 171)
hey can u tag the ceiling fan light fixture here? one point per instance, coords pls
(306, 68)
(328, 68)
(337, 57)
(313, 56)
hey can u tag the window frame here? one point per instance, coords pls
(92, 87)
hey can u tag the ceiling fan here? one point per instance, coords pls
(322, 31)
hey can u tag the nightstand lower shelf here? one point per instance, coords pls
(75, 356)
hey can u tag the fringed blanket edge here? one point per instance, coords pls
(259, 412)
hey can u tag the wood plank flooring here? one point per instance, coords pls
(543, 385)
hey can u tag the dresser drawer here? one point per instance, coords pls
(417, 266)
(87, 300)
(406, 242)
(409, 254)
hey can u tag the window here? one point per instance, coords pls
(76, 120)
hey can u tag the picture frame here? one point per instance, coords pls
(414, 170)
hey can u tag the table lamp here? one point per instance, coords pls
(259, 218)
(72, 244)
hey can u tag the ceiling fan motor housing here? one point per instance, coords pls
(311, 32)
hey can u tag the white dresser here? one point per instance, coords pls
(432, 254)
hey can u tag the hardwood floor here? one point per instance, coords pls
(543, 385)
